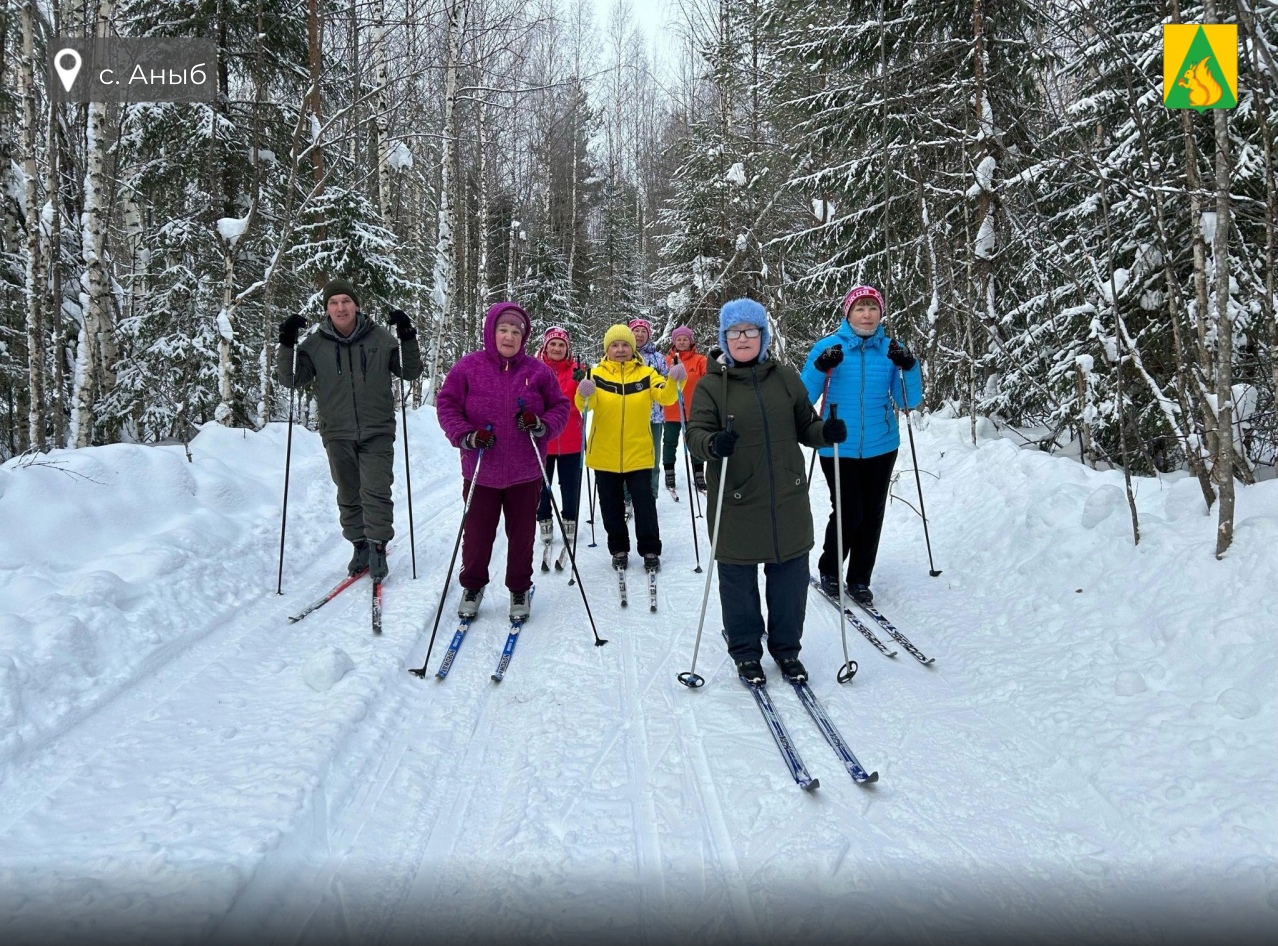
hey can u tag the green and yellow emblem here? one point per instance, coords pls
(1200, 65)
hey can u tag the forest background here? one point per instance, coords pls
(1068, 257)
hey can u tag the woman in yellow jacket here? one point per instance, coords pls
(620, 392)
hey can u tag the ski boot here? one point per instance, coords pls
(469, 607)
(546, 530)
(861, 594)
(652, 562)
(620, 559)
(751, 671)
(520, 605)
(359, 561)
(377, 569)
(699, 480)
(670, 479)
(792, 669)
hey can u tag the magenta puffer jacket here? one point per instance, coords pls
(485, 388)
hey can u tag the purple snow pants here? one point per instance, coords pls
(519, 504)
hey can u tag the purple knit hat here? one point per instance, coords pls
(683, 330)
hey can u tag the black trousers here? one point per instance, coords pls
(787, 595)
(864, 485)
(612, 504)
(569, 466)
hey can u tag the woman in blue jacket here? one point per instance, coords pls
(865, 370)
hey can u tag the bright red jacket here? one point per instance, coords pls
(569, 439)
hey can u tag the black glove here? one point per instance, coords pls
(834, 431)
(479, 440)
(289, 330)
(714, 354)
(398, 319)
(832, 357)
(527, 420)
(724, 443)
(901, 356)
(580, 374)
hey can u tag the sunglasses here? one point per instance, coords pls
(733, 334)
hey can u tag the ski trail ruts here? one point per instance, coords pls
(652, 887)
(692, 747)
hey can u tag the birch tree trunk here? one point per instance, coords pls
(97, 355)
(382, 106)
(35, 288)
(481, 266)
(445, 272)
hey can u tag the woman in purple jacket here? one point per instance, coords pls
(491, 401)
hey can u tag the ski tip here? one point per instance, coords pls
(294, 619)
(497, 678)
(558, 567)
(545, 567)
(811, 785)
(869, 779)
(652, 609)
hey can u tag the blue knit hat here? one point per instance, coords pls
(749, 312)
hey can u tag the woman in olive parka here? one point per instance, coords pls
(767, 519)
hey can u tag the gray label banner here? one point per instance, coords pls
(123, 69)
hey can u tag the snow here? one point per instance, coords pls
(823, 210)
(231, 229)
(985, 238)
(736, 174)
(1092, 751)
(400, 158)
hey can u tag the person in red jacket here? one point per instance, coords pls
(695, 364)
(564, 451)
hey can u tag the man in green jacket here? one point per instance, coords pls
(351, 361)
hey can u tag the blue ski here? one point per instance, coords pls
(832, 735)
(781, 735)
(516, 625)
(463, 625)
(900, 638)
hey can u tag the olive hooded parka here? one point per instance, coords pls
(766, 514)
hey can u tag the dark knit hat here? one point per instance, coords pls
(340, 287)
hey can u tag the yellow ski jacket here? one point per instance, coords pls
(620, 437)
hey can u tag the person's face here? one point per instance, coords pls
(556, 349)
(641, 335)
(865, 315)
(508, 339)
(742, 348)
(341, 311)
(620, 351)
(682, 342)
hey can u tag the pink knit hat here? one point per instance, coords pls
(683, 330)
(862, 292)
(552, 333)
(635, 323)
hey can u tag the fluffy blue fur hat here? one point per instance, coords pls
(749, 312)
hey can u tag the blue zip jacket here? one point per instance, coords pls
(867, 388)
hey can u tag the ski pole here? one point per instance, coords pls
(288, 458)
(690, 678)
(581, 473)
(918, 482)
(687, 469)
(848, 670)
(439, 609)
(408, 477)
(824, 391)
(532, 439)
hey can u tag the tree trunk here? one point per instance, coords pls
(481, 267)
(35, 288)
(382, 108)
(95, 374)
(1224, 467)
(445, 272)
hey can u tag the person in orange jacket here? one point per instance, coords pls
(694, 363)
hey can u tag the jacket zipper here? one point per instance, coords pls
(621, 448)
(363, 364)
(767, 451)
(861, 449)
(350, 360)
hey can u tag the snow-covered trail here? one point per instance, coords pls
(1092, 751)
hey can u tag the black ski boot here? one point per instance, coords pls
(830, 586)
(620, 559)
(359, 561)
(670, 479)
(377, 569)
(792, 669)
(861, 594)
(699, 480)
(751, 671)
(652, 562)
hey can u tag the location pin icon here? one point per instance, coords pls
(67, 62)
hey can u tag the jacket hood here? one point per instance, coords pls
(362, 327)
(495, 311)
(846, 334)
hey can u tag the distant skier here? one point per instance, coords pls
(352, 360)
(646, 351)
(694, 363)
(767, 519)
(563, 452)
(490, 401)
(621, 391)
(867, 369)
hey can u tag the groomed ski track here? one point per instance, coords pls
(212, 795)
